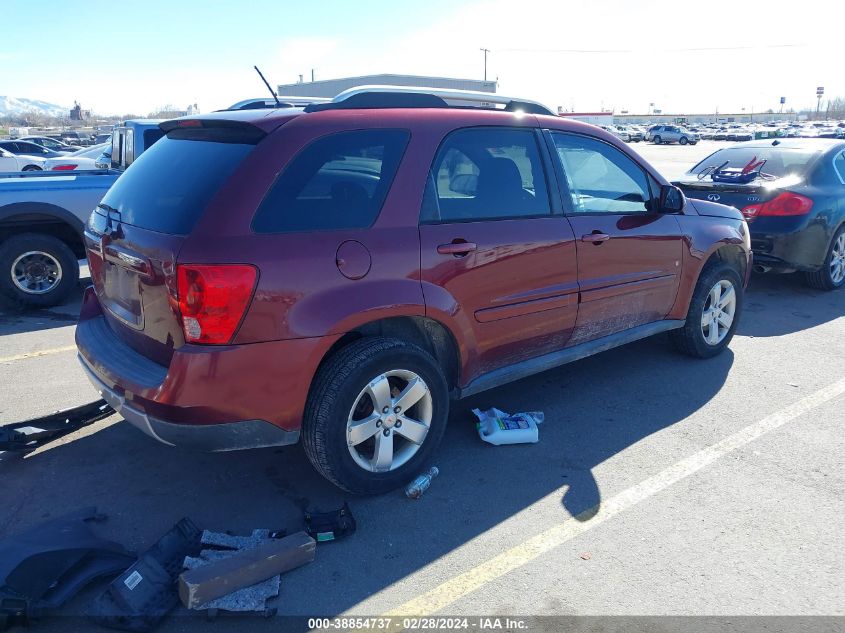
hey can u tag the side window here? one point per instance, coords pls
(486, 174)
(839, 165)
(600, 178)
(129, 147)
(339, 181)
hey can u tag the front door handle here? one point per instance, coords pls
(458, 249)
(595, 238)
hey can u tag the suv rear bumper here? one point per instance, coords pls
(229, 436)
(209, 397)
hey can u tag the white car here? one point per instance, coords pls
(15, 162)
(79, 160)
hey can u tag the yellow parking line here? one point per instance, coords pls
(457, 587)
(43, 352)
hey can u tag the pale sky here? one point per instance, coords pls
(134, 56)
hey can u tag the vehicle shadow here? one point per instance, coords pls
(782, 304)
(15, 319)
(594, 410)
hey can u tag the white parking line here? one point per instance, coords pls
(452, 590)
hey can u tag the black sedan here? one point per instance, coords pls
(792, 193)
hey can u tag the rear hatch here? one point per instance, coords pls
(135, 234)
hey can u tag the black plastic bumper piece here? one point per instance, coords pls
(143, 594)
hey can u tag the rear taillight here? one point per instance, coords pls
(63, 167)
(213, 299)
(787, 203)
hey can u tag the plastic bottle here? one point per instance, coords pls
(421, 483)
(497, 427)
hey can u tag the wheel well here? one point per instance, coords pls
(731, 254)
(46, 224)
(426, 333)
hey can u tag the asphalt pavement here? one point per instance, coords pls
(661, 485)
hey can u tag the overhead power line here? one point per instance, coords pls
(648, 50)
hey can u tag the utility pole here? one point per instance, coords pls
(312, 75)
(819, 95)
(485, 51)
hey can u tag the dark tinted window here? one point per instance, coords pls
(169, 185)
(339, 181)
(486, 174)
(780, 161)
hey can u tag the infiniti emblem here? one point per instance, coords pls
(713, 197)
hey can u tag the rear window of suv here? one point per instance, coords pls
(167, 188)
(339, 181)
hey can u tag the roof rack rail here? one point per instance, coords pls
(368, 97)
(285, 101)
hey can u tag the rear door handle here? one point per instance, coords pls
(458, 249)
(595, 238)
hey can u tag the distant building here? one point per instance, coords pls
(78, 114)
(711, 117)
(333, 87)
(596, 118)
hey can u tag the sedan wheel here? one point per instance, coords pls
(719, 310)
(837, 261)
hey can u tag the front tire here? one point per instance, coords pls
(713, 313)
(831, 275)
(683, 140)
(31, 168)
(37, 270)
(375, 415)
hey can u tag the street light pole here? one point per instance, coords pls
(485, 51)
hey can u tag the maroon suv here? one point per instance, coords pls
(343, 271)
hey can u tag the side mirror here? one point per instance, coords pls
(671, 199)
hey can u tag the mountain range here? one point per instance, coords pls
(16, 105)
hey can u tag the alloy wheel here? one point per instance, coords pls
(389, 420)
(719, 311)
(837, 261)
(36, 272)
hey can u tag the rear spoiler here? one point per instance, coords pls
(213, 129)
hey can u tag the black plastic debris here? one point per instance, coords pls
(142, 595)
(41, 568)
(330, 526)
(26, 436)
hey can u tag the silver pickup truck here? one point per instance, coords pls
(43, 214)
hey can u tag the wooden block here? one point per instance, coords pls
(245, 568)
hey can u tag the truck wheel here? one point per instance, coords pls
(832, 273)
(713, 312)
(37, 270)
(656, 140)
(376, 413)
(683, 140)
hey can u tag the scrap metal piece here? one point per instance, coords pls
(31, 434)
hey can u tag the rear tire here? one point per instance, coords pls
(657, 140)
(691, 338)
(352, 378)
(31, 168)
(831, 276)
(37, 254)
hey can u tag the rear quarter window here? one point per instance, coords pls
(339, 181)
